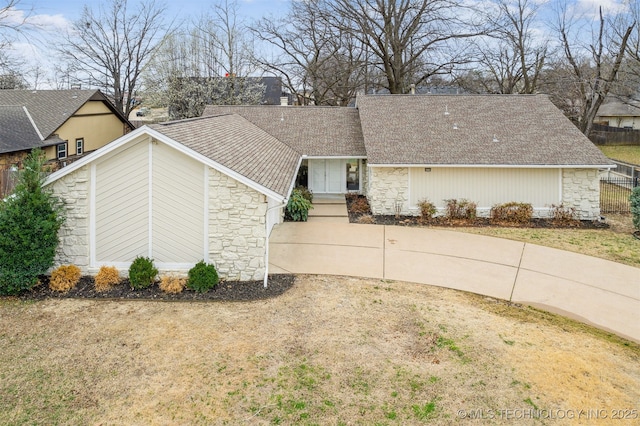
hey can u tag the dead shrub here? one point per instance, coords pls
(514, 213)
(107, 277)
(64, 278)
(427, 210)
(366, 219)
(172, 284)
(360, 206)
(463, 209)
(564, 216)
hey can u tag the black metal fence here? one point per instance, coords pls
(614, 193)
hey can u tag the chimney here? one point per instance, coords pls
(284, 100)
(412, 89)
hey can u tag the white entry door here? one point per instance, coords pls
(327, 176)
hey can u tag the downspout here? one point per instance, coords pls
(266, 249)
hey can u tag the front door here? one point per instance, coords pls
(327, 176)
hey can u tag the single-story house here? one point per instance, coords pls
(213, 187)
(64, 123)
(615, 113)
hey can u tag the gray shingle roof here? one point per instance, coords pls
(237, 144)
(419, 129)
(312, 131)
(616, 108)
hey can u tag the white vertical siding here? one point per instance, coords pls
(178, 207)
(122, 205)
(486, 186)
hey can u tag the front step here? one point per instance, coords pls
(329, 209)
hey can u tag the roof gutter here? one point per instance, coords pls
(501, 166)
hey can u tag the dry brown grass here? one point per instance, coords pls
(106, 278)
(64, 278)
(332, 350)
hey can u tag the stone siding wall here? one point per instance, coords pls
(388, 187)
(581, 190)
(73, 191)
(237, 228)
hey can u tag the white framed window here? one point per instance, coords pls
(61, 151)
(79, 146)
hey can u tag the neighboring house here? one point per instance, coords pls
(64, 123)
(213, 187)
(615, 113)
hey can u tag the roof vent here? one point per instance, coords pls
(495, 138)
(446, 110)
(455, 126)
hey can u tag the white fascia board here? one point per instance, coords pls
(501, 166)
(170, 142)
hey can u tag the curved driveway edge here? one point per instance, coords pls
(596, 291)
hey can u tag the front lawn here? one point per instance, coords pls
(331, 350)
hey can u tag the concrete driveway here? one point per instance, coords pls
(596, 291)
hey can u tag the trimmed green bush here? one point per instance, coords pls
(306, 193)
(142, 273)
(298, 207)
(634, 200)
(202, 277)
(29, 222)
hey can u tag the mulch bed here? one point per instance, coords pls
(356, 209)
(224, 291)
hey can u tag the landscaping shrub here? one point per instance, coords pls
(64, 278)
(564, 216)
(298, 207)
(29, 222)
(360, 205)
(202, 277)
(366, 219)
(427, 210)
(306, 193)
(518, 213)
(634, 200)
(463, 209)
(106, 278)
(142, 273)
(172, 284)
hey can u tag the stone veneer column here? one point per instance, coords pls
(73, 191)
(237, 234)
(388, 186)
(581, 190)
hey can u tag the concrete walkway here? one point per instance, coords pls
(596, 291)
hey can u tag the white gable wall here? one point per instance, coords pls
(148, 199)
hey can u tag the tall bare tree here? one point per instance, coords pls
(109, 46)
(320, 62)
(511, 59)
(593, 69)
(410, 40)
(12, 23)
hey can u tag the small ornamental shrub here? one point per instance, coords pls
(142, 273)
(298, 207)
(106, 278)
(29, 222)
(360, 205)
(172, 284)
(463, 209)
(564, 216)
(366, 219)
(306, 193)
(517, 213)
(202, 277)
(427, 210)
(634, 200)
(64, 278)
